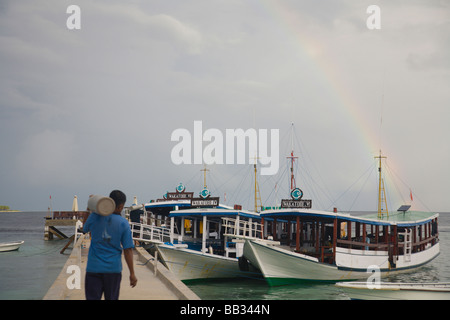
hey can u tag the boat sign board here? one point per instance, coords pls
(207, 202)
(290, 203)
(179, 195)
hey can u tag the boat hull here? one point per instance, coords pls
(10, 246)
(281, 267)
(396, 291)
(190, 265)
(360, 259)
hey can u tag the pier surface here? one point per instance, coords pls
(151, 285)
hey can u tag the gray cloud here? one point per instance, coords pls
(89, 110)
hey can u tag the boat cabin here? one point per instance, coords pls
(319, 234)
(213, 230)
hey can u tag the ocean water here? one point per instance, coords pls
(28, 273)
(438, 270)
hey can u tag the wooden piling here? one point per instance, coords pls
(61, 219)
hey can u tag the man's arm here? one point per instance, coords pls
(128, 255)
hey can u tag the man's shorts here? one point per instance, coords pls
(97, 284)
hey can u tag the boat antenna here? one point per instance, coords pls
(382, 108)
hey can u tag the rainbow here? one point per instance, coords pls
(309, 48)
(291, 21)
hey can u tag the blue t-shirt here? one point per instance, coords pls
(109, 236)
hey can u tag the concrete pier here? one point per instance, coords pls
(151, 285)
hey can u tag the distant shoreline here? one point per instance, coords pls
(10, 211)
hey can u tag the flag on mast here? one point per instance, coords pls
(410, 194)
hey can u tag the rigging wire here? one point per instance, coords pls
(362, 187)
(369, 169)
(194, 176)
(407, 186)
(238, 189)
(395, 185)
(323, 186)
(276, 188)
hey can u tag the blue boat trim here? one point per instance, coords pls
(346, 217)
(213, 212)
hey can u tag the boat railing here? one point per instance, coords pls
(405, 244)
(242, 228)
(149, 233)
(351, 244)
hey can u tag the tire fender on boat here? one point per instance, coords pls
(243, 264)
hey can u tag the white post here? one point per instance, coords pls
(155, 266)
(182, 228)
(225, 220)
(78, 224)
(204, 234)
(152, 227)
(265, 229)
(172, 226)
(145, 215)
(195, 227)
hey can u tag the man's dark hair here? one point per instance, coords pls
(118, 196)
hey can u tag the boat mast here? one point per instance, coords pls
(293, 186)
(204, 175)
(257, 193)
(381, 191)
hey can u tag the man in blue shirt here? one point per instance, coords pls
(109, 236)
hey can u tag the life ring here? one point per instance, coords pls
(243, 264)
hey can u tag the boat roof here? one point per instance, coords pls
(168, 203)
(405, 219)
(401, 219)
(176, 203)
(218, 212)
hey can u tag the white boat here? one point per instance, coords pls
(10, 246)
(396, 291)
(191, 265)
(330, 246)
(205, 248)
(333, 247)
(190, 238)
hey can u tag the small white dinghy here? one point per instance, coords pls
(10, 246)
(396, 291)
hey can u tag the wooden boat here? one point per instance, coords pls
(188, 234)
(10, 246)
(332, 246)
(316, 245)
(203, 250)
(396, 291)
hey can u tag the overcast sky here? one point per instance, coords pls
(91, 110)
